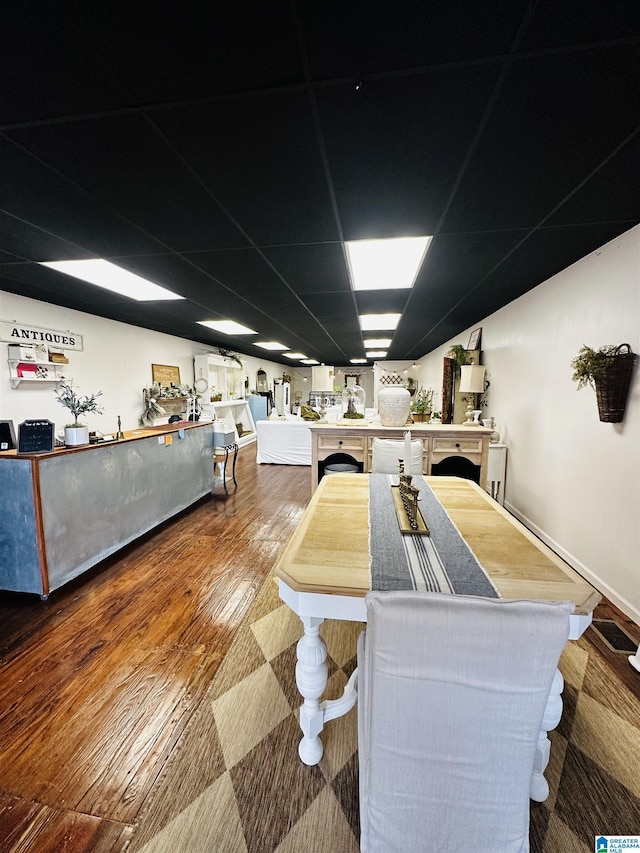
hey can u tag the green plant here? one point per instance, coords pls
(460, 357)
(590, 365)
(232, 355)
(422, 402)
(67, 397)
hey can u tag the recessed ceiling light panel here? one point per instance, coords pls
(379, 322)
(227, 327)
(311, 361)
(111, 277)
(387, 264)
(375, 343)
(294, 355)
(271, 345)
(377, 354)
(357, 361)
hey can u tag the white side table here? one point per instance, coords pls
(496, 471)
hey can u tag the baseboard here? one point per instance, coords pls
(601, 585)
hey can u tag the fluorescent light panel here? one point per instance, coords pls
(377, 354)
(270, 345)
(297, 355)
(311, 361)
(357, 360)
(111, 277)
(227, 327)
(387, 264)
(379, 322)
(376, 343)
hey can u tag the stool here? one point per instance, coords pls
(221, 457)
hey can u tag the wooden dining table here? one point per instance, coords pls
(324, 572)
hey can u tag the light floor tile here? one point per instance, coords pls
(310, 833)
(608, 740)
(210, 823)
(248, 712)
(276, 631)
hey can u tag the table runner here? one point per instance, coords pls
(442, 562)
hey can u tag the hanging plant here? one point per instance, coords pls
(608, 371)
(459, 356)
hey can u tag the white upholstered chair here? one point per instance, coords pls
(385, 453)
(451, 696)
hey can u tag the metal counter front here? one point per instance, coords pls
(63, 512)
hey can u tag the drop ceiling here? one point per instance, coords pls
(226, 150)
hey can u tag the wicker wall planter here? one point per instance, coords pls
(609, 371)
(612, 388)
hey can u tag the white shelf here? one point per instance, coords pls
(56, 372)
(235, 412)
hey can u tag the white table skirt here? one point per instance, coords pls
(283, 442)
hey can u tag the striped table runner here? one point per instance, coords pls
(442, 562)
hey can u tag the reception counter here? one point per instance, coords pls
(64, 511)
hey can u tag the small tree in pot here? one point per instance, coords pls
(77, 433)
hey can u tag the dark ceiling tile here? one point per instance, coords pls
(364, 37)
(547, 252)
(37, 195)
(573, 22)
(556, 118)
(395, 150)
(382, 301)
(311, 268)
(330, 305)
(88, 57)
(123, 163)
(613, 193)
(261, 159)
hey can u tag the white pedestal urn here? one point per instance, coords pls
(394, 403)
(76, 436)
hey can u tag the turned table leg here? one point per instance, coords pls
(539, 790)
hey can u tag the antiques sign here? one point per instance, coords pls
(15, 333)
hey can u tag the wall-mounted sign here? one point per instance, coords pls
(17, 333)
(165, 375)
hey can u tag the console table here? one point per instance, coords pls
(439, 442)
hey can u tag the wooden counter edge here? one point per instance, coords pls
(129, 435)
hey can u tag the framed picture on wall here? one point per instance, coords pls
(474, 339)
(165, 375)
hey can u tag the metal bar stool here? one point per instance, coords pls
(221, 458)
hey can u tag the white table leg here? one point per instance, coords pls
(539, 790)
(311, 678)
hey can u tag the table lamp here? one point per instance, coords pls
(472, 384)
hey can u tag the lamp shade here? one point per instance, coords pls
(471, 379)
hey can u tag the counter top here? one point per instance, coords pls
(129, 435)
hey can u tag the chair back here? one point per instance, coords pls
(385, 453)
(451, 696)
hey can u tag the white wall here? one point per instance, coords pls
(573, 480)
(116, 360)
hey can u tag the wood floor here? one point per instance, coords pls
(100, 681)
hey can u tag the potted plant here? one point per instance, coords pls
(608, 371)
(421, 405)
(76, 434)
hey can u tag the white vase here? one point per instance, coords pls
(394, 403)
(76, 436)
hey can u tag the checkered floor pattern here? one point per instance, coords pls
(236, 785)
